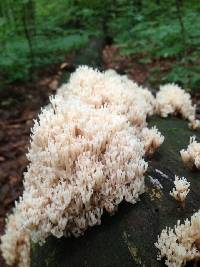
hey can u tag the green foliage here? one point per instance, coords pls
(38, 33)
(34, 34)
(187, 76)
(154, 32)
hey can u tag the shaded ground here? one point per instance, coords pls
(17, 110)
(20, 104)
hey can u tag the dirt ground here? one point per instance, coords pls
(21, 105)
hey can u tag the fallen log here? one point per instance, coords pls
(128, 237)
(90, 55)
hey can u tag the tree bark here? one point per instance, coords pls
(29, 31)
(182, 27)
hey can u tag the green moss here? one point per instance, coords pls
(50, 259)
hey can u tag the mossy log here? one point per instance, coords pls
(127, 238)
(90, 54)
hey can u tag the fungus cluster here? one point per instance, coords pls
(181, 244)
(86, 156)
(171, 99)
(191, 156)
(182, 188)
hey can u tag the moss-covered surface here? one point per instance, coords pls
(127, 238)
(89, 55)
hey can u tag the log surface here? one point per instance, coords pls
(127, 238)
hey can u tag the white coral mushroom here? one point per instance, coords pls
(171, 99)
(181, 244)
(152, 139)
(119, 94)
(181, 189)
(86, 156)
(191, 156)
(15, 245)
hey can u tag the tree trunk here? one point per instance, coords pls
(28, 18)
(182, 27)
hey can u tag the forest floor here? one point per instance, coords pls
(21, 105)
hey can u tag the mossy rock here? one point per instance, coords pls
(127, 238)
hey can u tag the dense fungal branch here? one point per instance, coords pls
(171, 99)
(191, 155)
(181, 189)
(152, 139)
(180, 244)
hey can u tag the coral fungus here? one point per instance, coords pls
(181, 244)
(152, 139)
(86, 156)
(171, 99)
(181, 189)
(191, 156)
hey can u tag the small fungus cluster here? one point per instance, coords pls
(171, 99)
(181, 189)
(191, 156)
(181, 244)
